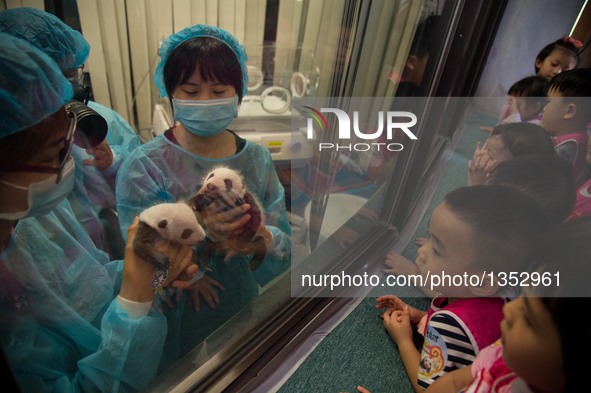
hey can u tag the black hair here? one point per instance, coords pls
(523, 139)
(576, 86)
(507, 224)
(531, 86)
(560, 43)
(572, 83)
(548, 180)
(566, 249)
(215, 59)
(534, 89)
(424, 35)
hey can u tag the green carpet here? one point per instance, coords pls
(359, 351)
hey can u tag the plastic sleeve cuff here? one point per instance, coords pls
(135, 310)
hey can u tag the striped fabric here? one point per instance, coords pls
(454, 348)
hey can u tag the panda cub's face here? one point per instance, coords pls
(224, 179)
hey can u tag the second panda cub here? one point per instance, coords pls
(225, 189)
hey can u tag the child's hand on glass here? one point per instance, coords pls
(398, 265)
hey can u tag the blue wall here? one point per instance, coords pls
(527, 26)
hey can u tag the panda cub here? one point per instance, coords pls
(170, 221)
(226, 188)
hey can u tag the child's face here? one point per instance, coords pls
(553, 117)
(531, 344)
(527, 110)
(557, 61)
(496, 149)
(449, 247)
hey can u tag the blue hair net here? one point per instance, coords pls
(64, 45)
(32, 87)
(200, 30)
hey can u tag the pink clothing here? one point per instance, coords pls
(573, 147)
(481, 317)
(490, 374)
(455, 333)
(582, 202)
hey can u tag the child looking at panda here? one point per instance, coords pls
(474, 229)
(538, 350)
(506, 142)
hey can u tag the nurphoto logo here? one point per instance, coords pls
(393, 122)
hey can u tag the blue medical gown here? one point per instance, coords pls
(162, 171)
(94, 189)
(61, 327)
(122, 140)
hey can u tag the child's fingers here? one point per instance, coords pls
(490, 165)
(386, 298)
(419, 241)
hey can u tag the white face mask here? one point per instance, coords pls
(43, 196)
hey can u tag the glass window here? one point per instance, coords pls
(311, 65)
(328, 53)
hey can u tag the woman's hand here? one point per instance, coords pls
(138, 273)
(103, 156)
(220, 221)
(266, 234)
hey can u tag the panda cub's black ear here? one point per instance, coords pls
(162, 224)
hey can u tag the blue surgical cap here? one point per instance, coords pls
(32, 86)
(187, 33)
(64, 45)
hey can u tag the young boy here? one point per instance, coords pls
(546, 179)
(539, 350)
(567, 115)
(474, 230)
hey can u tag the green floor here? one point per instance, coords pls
(359, 351)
